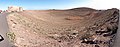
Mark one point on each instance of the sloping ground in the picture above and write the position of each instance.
(79, 27)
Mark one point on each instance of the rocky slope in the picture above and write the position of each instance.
(78, 27)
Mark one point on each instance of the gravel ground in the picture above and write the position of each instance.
(83, 27)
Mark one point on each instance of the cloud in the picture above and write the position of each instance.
(102, 4)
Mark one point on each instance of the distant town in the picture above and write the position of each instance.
(12, 9)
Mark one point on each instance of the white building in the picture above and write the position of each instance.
(14, 9)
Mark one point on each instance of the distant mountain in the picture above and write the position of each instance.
(83, 9)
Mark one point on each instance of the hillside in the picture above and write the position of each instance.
(78, 27)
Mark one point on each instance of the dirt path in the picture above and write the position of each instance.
(4, 30)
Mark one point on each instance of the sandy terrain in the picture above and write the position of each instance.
(80, 27)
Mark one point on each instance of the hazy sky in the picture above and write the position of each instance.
(60, 4)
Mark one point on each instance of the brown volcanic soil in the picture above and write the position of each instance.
(79, 27)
